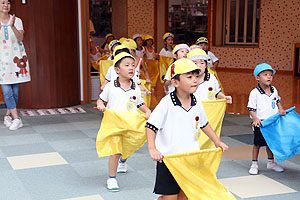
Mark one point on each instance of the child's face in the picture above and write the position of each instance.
(188, 82)
(149, 43)
(201, 64)
(113, 47)
(265, 77)
(203, 46)
(126, 68)
(169, 41)
(109, 39)
(139, 42)
(181, 53)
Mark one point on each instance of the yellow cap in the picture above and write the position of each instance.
(130, 43)
(108, 35)
(148, 37)
(113, 43)
(137, 36)
(120, 47)
(122, 39)
(166, 35)
(194, 47)
(180, 46)
(182, 66)
(122, 55)
(202, 40)
(197, 54)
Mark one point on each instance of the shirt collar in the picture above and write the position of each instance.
(117, 84)
(177, 102)
(262, 91)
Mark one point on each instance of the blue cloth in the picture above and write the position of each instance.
(11, 95)
(282, 134)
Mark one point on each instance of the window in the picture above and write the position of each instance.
(188, 19)
(241, 22)
(100, 14)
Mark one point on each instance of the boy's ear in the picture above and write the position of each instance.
(257, 78)
(175, 82)
(117, 69)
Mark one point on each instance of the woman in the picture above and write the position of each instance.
(14, 67)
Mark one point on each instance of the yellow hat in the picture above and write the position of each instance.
(194, 47)
(180, 46)
(113, 43)
(122, 55)
(108, 35)
(148, 37)
(130, 43)
(137, 36)
(182, 66)
(166, 35)
(197, 54)
(202, 40)
(122, 39)
(118, 48)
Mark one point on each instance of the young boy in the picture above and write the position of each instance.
(173, 124)
(263, 103)
(212, 61)
(122, 94)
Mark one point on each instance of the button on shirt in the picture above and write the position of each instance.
(120, 99)
(175, 126)
(263, 105)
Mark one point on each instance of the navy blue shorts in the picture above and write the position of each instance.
(259, 139)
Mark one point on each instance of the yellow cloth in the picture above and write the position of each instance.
(195, 173)
(164, 63)
(214, 72)
(120, 132)
(152, 67)
(215, 111)
(104, 66)
(146, 98)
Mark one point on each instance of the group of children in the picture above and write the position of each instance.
(171, 125)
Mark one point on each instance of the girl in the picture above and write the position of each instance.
(108, 38)
(167, 50)
(140, 50)
(209, 88)
(149, 49)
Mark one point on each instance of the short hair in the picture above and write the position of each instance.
(177, 76)
(119, 62)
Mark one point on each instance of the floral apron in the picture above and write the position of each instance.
(14, 66)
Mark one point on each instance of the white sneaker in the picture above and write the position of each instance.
(112, 185)
(7, 121)
(253, 169)
(275, 167)
(16, 124)
(122, 168)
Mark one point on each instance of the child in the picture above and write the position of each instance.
(140, 50)
(179, 51)
(172, 126)
(167, 50)
(95, 56)
(117, 94)
(149, 49)
(212, 61)
(108, 38)
(111, 48)
(209, 88)
(263, 103)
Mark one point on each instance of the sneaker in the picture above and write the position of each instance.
(112, 185)
(275, 167)
(253, 169)
(16, 124)
(122, 168)
(7, 121)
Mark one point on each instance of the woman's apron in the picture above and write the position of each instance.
(14, 67)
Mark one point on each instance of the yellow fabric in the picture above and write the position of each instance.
(146, 98)
(164, 63)
(215, 111)
(104, 66)
(195, 173)
(120, 132)
(214, 72)
(152, 67)
(96, 64)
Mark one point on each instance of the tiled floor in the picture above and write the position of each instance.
(54, 158)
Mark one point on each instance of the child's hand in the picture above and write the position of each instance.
(256, 122)
(228, 99)
(156, 155)
(222, 145)
(148, 80)
(282, 112)
(101, 107)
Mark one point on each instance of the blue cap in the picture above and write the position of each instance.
(262, 67)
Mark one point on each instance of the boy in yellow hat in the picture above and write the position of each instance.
(212, 61)
(116, 96)
(172, 126)
(167, 50)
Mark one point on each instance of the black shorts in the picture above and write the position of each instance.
(259, 139)
(165, 183)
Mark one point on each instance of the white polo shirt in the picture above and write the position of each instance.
(120, 99)
(262, 104)
(164, 52)
(176, 127)
(211, 58)
(171, 88)
(111, 74)
(208, 89)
